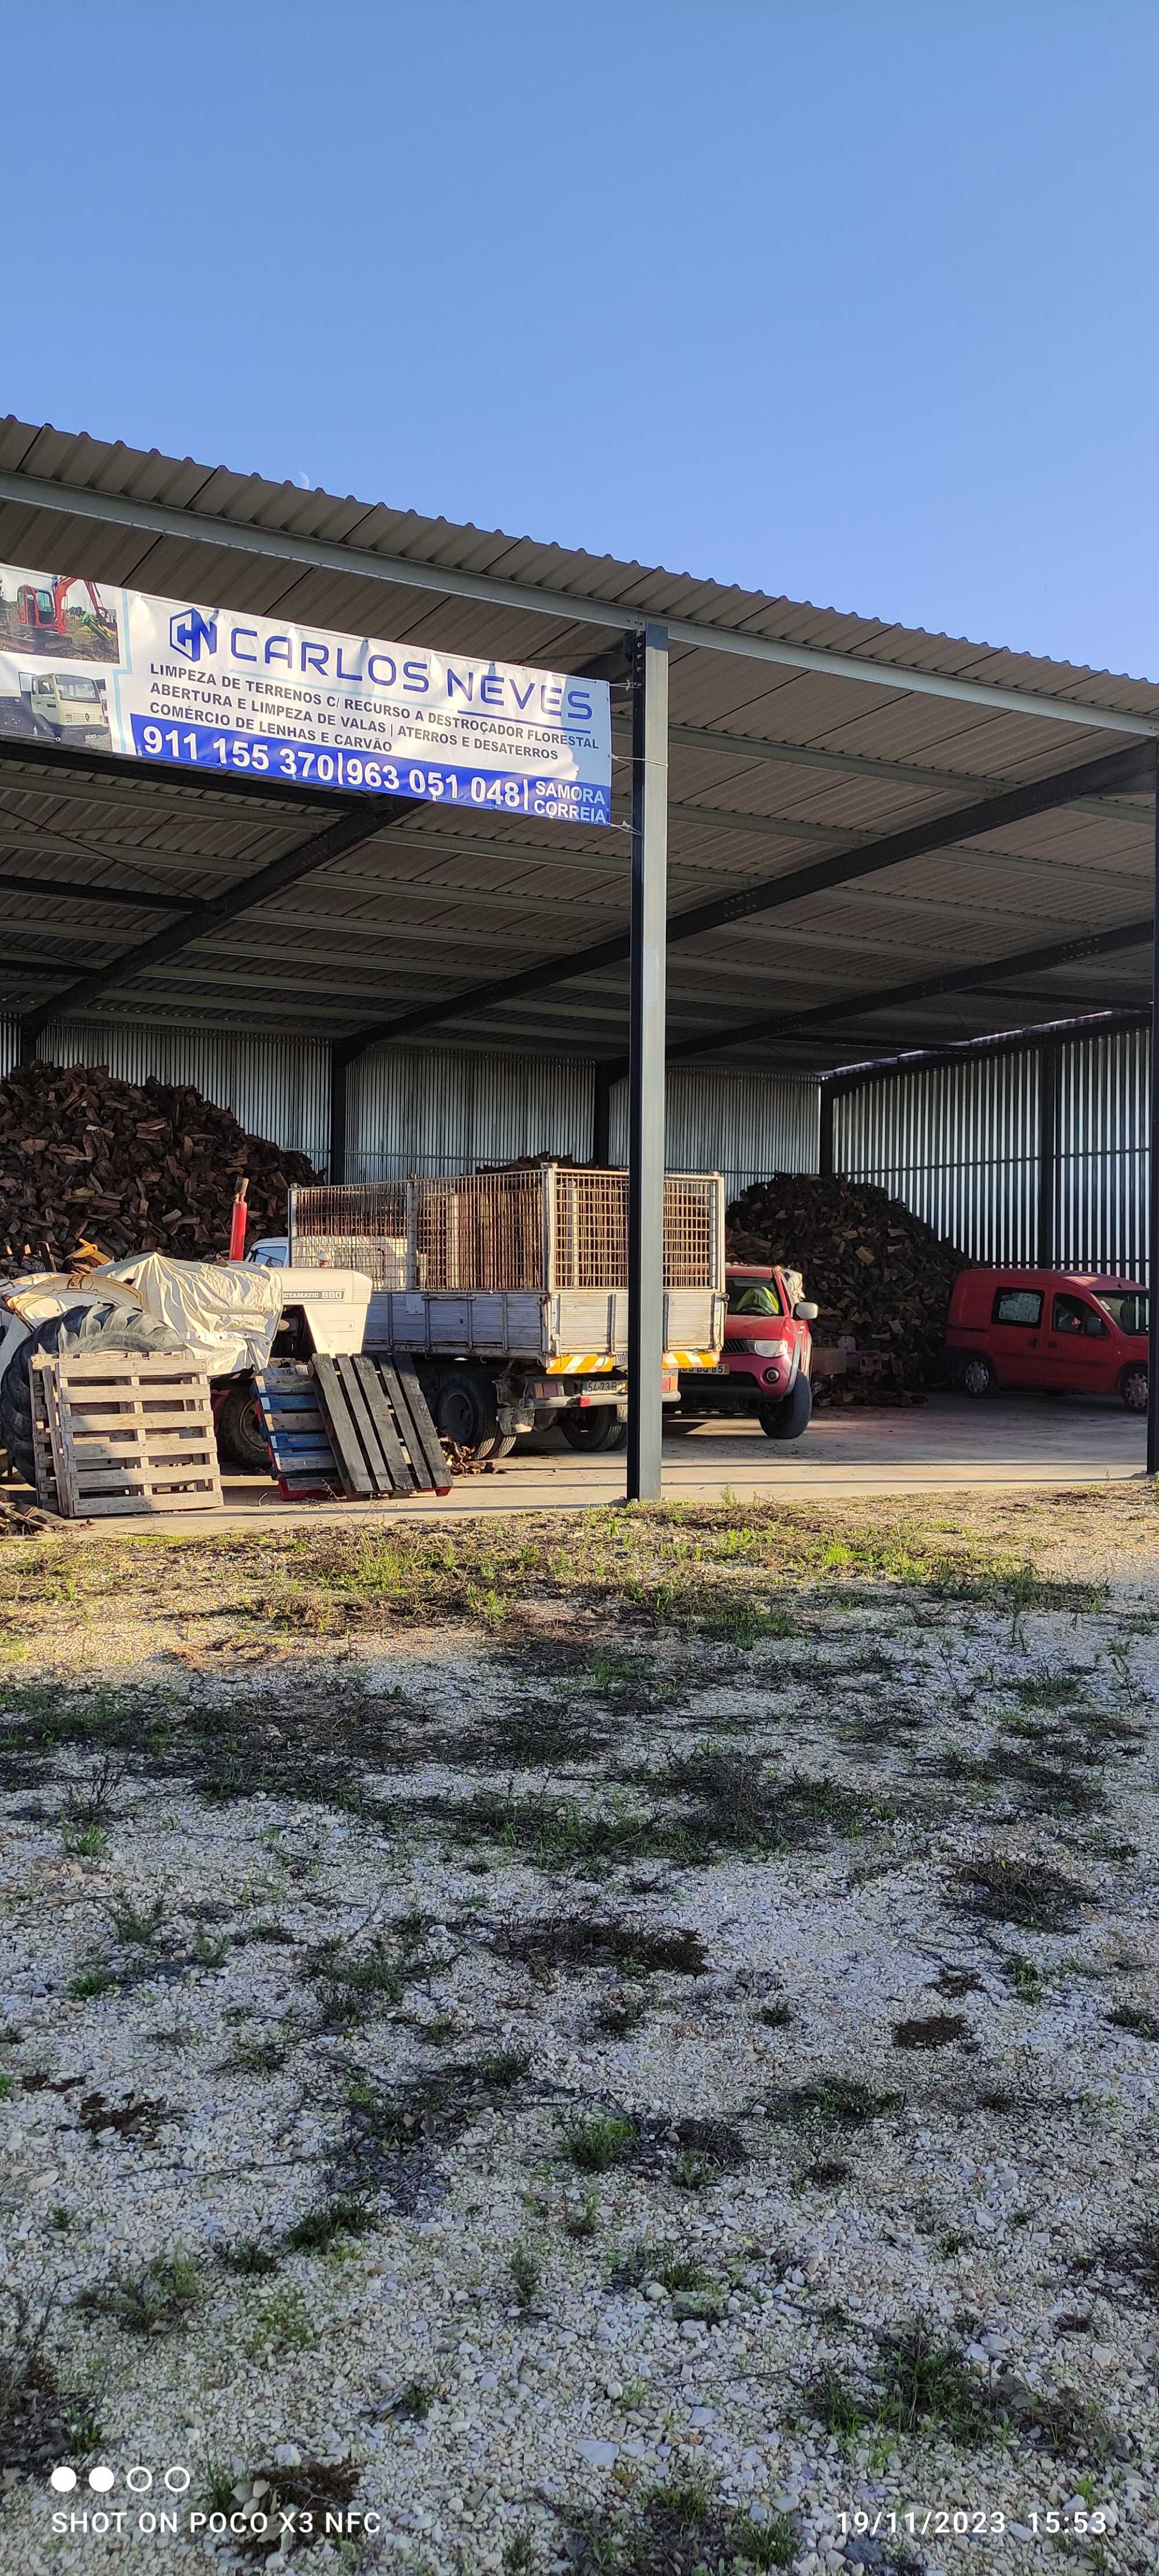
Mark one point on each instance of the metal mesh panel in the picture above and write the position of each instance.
(352, 1228)
(480, 1230)
(591, 1230)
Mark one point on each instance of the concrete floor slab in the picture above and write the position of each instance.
(945, 1443)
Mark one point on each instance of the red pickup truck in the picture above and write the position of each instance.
(764, 1366)
(1061, 1328)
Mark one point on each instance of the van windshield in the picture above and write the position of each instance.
(1127, 1307)
(77, 688)
(753, 1297)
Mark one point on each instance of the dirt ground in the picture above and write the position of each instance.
(618, 2043)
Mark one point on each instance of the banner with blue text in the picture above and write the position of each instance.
(216, 689)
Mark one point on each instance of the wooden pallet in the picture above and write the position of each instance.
(380, 1425)
(298, 1433)
(126, 1432)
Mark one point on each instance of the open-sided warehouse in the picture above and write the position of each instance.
(878, 842)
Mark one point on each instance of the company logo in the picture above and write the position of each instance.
(192, 634)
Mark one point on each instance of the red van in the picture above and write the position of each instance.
(764, 1366)
(1060, 1328)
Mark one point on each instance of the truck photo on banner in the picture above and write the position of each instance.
(216, 688)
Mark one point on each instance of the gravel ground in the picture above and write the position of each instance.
(636, 2076)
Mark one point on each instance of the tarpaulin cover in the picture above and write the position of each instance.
(230, 1314)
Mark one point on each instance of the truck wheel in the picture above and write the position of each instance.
(977, 1376)
(467, 1416)
(788, 1419)
(598, 1429)
(1133, 1388)
(240, 1435)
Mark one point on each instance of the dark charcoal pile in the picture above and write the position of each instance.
(145, 1167)
(876, 1271)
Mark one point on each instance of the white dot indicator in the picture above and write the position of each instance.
(102, 2479)
(63, 2480)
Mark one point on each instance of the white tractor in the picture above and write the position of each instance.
(233, 1317)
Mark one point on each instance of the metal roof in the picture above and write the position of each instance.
(800, 739)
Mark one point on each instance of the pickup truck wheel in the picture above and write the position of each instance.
(598, 1429)
(1133, 1388)
(788, 1419)
(240, 1435)
(467, 1416)
(977, 1376)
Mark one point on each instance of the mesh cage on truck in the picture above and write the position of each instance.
(543, 1228)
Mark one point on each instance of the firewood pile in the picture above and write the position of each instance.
(135, 1167)
(879, 1274)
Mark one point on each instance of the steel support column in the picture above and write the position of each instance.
(1153, 1190)
(646, 1062)
(1049, 1097)
(339, 1079)
(602, 1115)
(825, 1141)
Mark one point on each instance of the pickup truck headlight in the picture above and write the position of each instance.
(763, 1350)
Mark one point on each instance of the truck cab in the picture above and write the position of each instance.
(69, 704)
(765, 1362)
(1078, 1332)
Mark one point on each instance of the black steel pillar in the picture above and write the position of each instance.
(602, 1116)
(1153, 1188)
(825, 1142)
(339, 1076)
(646, 1061)
(1049, 1097)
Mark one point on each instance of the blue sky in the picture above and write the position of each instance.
(851, 299)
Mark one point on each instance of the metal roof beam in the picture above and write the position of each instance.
(942, 831)
(960, 979)
(923, 1059)
(353, 826)
(860, 764)
(160, 519)
(69, 892)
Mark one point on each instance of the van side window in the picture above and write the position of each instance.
(1073, 1315)
(1017, 1306)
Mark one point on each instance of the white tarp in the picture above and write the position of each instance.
(219, 689)
(230, 1315)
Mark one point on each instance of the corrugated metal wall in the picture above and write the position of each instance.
(434, 1110)
(277, 1087)
(958, 1143)
(1104, 1123)
(745, 1125)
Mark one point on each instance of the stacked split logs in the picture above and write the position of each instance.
(879, 1274)
(134, 1167)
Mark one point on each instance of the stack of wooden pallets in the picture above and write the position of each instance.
(123, 1431)
(358, 1426)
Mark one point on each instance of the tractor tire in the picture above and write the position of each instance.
(788, 1419)
(80, 1328)
(594, 1431)
(466, 1415)
(240, 1436)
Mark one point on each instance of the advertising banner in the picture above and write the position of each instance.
(217, 689)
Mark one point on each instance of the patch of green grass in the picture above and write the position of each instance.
(687, 2501)
(597, 2143)
(153, 2301)
(1135, 2018)
(527, 2275)
(96, 1979)
(136, 1925)
(1028, 1981)
(777, 2015)
(257, 2056)
(320, 2229)
(413, 2401)
(1030, 1893)
(250, 2258)
(833, 2101)
(764, 2544)
(85, 1842)
(280, 2325)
